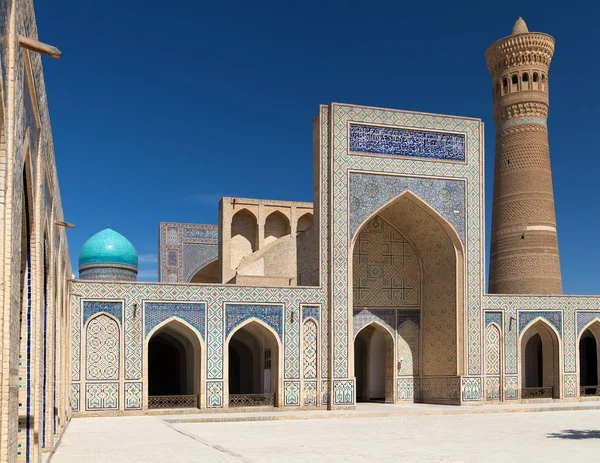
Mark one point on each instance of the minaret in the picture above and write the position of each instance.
(524, 246)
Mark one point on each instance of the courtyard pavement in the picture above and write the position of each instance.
(480, 434)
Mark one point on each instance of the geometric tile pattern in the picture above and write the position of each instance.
(93, 307)
(571, 385)
(102, 396)
(369, 192)
(512, 387)
(102, 349)
(214, 394)
(471, 388)
(492, 361)
(309, 343)
(310, 311)
(493, 317)
(157, 312)
(383, 317)
(75, 397)
(291, 344)
(310, 393)
(237, 313)
(343, 161)
(554, 318)
(385, 268)
(291, 391)
(408, 349)
(407, 389)
(583, 318)
(396, 141)
(133, 340)
(133, 396)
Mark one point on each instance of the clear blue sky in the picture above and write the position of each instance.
(160, 108)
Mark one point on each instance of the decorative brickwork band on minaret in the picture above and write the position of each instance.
(524, 246)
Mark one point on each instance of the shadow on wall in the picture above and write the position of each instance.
(575, 434)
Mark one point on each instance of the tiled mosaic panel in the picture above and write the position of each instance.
(238, 313)
(310, 393)
(214, 394)
(492, 350)
(511, 388)
(291, 393)
(369, 192)
(396, 141)
(91, 308)
(196, 256)
(570, 386)
(102, 396)
(309, 348)
(383, 317)
(471, 388)
(157, 312)
(554, 318)
(310, 311)
(408, 349)
(133, 396)
(325, 392)
(492, 388)
(102, 349)
(342, 162)
(75, 397)
(406, 389)
(584, 318)
(75, 339)
(493, 317)
(343, 392)
(385, 270)
(215, 340)
(291, 348)
(133, 339)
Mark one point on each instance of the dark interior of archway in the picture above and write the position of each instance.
(360, 366)
(588, 360)
(534, 362)
(166, 365)
(241, 368)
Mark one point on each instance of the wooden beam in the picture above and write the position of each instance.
(39, 47)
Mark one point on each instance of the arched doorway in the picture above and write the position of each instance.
(374, 364)
(407, 256)
(589, 381)
(540, 366)
(253, 366)
(174, 367)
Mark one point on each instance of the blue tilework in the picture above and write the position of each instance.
(209, 232)
(409, 315)
(91, 308)
(196, 256)
(310, 311)
(157, 312)
(238, 313)
(369, 192)
(364, 317)
(493, 317)
(396, 141)
(108, 273)
(523, 120)
(108, 247)
(583, 318)
(554, 318)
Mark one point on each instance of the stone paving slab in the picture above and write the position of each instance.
(564, 435)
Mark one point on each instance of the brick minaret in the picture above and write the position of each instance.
(524, 247)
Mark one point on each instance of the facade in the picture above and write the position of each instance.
(375, 291)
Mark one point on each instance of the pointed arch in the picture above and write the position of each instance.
(304, 222)
(310, 348)
(207, 272)
(588, 358)
(244, 237)
(174, 365)
(493, 361)
(253, 365)
(408, 349)
(443, 275)
(540, 360)
(277, 225)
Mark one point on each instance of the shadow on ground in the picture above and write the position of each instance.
(575, 434)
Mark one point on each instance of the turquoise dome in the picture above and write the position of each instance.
(108, 247)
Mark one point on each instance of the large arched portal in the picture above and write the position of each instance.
(174, 355)
(253, 366)
(408, 265)
(374, 364)
(540, 366)
(589, 381)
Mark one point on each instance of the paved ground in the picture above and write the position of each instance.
(478, 437)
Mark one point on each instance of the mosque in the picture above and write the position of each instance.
(373, 292)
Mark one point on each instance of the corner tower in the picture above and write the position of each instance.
(524, 247)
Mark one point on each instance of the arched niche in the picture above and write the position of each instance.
(589, 359)
(305, 222)
(253, 365)
(174, 366)
(442, 303)
(243, 236)
(277, 226)
(539, 352)
(210, 273)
